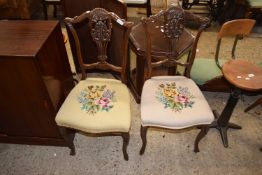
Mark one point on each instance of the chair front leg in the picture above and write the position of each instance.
(201, 135)
(143, 133)
(125, 137)
(68, 135)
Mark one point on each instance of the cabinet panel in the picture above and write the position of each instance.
(24, 109)
(35, 76)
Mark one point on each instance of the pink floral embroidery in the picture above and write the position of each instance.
(174, 97)
(96, 98)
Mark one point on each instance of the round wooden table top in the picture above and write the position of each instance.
(243, 74)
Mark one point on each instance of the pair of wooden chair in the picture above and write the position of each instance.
(101, 107)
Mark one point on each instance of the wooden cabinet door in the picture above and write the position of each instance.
(24, 103)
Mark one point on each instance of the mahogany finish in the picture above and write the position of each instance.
(101, 25)
(74, 8)
(35, 77)
(162, 39)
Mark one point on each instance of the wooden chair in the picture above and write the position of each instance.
(255, 7)
(50, 2)
(140, 4)
(171, 102)
(185, 45)
(98, 106)
(210, 4)
(207, 72)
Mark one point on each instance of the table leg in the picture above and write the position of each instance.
(222, 122)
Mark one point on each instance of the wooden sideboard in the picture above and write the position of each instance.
(35, 77)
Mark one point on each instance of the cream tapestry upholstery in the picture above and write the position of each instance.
(173, 102)
(96, 105)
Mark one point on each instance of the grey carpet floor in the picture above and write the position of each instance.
(166, 153)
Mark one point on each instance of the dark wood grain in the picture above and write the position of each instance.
(162, 40)
(35, 73)
(74, 8)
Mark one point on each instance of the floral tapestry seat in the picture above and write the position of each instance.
(97, 105)
(173, 102)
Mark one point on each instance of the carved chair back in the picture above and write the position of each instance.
(236, 28)
(100, 24)
(174, 21)
(72, 8)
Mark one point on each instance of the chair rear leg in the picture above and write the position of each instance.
(143, 133)
(45, 11)
(55, 11)
(148, 8)
(68, 135)
(201, 135)
(125, 137)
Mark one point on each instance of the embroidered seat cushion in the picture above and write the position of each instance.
(96, 105)
(204, 70)
(173, 102)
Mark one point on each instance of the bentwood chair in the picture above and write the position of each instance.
(214, 80)
(171, 102)
(50, 2)
(98, 106)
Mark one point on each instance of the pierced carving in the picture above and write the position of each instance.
(174, 22)
(100, 26)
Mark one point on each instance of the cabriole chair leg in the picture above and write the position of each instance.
(68, 135)
(201, 135)
(125, 137)
(143, 132)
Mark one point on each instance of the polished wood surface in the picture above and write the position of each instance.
(162, 39)
(72, 8)
(160, 43)
(35, 76)
(236, 27)
(243, 74)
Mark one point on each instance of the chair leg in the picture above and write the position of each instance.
(68, 135)
(256, 103)
(125, 137)
(148, 8)
(55, 11)
(201, 135)
(143, 133)
(45, 11)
